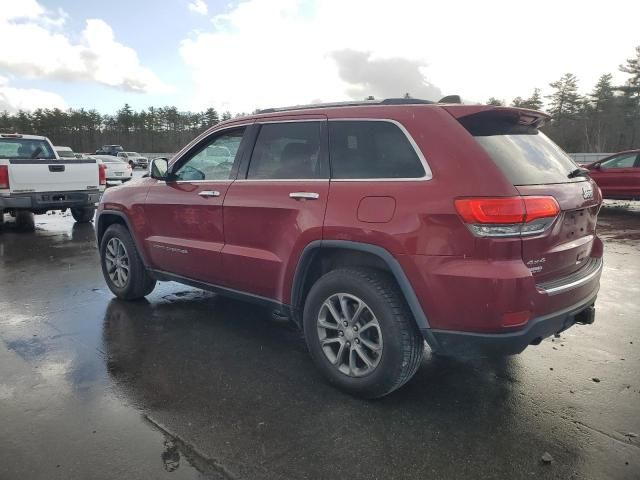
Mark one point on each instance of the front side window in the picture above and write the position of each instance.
(213, 160)
(288, 150)
(23, 149)
(623, 161)
(371, 149)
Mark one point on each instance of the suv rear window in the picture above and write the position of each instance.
(23, 148)
(525, 155)
(371, 149)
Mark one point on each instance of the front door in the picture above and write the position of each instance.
(184, 215)
(276, 207)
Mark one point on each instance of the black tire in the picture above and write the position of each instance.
(83, 214)
(139, 283)
(133, 165)
(403, 345)
(25, 221)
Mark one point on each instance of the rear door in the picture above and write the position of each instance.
(184, 215)
(276, 206)
(538, 167)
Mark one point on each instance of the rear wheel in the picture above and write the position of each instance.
(83, 214)
(360, 332)
(25, 221)
(122, 267)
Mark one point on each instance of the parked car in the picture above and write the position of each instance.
(374, 227)
(117, 169)
(134, 159)
(109, 150)
(33, 178)
(618, 175)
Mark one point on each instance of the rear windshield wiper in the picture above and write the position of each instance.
(578, 172)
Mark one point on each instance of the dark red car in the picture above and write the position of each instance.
(618, 175)
(375, 227)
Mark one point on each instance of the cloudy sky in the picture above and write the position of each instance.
(242, 55)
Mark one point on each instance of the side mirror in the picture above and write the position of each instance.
(597, 166)
(159, 168)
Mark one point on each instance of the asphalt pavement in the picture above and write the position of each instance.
(191, 385)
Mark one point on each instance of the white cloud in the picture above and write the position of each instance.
(39, 49)
(279, 52)
(14, 99)
(198, 6)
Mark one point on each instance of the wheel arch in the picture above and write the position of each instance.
(315, 254)
(106, 218)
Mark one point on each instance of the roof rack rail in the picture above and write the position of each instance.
(353, 103)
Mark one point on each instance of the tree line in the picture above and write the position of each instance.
(163, 129)
(605, 120)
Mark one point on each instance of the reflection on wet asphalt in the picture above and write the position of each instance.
(191, 385)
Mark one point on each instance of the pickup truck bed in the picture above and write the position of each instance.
(34, 178)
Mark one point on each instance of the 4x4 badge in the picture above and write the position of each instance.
(587, 192)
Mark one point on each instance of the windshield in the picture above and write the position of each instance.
(23, 148)
(133, 154)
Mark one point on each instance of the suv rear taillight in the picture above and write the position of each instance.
(508, 216)
(102, 174)
(4, 176)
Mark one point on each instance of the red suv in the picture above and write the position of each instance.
(374, 226)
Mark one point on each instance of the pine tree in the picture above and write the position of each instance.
(210, 117)
(633, 68)
(565, 101)
(602, 94)
(534, 102)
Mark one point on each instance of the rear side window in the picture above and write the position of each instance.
(525, 155)
(371, 149)
(22, 148)
(288, 150)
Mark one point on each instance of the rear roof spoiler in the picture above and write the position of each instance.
(524, 116)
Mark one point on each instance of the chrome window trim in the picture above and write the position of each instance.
(428, 174)
(245, 180)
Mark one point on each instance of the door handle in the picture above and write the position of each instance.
(304, 195)
(209, 193)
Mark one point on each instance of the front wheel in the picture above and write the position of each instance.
(122, 267)
(360, 333)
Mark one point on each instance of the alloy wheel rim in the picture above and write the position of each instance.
(116, 260)
(350, 335)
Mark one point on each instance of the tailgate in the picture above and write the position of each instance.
(27, 175)
(558, 245)
(567, 245)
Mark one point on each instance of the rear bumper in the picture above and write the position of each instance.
(456, 343)
(49, 200)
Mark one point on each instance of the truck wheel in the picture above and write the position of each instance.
(133, 165)
(83, 214)
(25, 221)
(122, 267)
(360, 332)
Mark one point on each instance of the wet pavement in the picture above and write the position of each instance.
(191, 385)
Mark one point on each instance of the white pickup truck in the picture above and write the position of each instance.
(33, 178)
